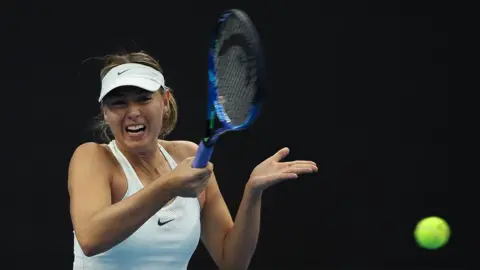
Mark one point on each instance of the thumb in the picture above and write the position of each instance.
(281, 154)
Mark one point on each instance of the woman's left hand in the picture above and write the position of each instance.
(273, 171)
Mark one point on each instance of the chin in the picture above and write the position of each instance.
(138, 141)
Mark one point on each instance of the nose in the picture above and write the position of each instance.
(133, 111)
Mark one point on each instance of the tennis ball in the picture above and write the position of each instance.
(432, 233)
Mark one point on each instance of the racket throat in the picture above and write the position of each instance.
(208, 142)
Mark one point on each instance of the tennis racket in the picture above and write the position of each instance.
(236, 80)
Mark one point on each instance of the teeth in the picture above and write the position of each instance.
(135, 127)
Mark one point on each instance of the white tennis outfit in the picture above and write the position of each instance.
(152, 246)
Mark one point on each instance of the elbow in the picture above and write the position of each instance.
(89, 251)
(234, 265)
(89, 246)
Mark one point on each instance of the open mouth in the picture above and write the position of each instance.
(135, 129)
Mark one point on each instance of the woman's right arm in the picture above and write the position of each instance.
(98, 224)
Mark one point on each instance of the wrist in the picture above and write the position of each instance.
(252, 191)
(166, 186)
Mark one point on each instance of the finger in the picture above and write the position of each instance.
(290, 163)
(204, 174)
(189, 159)
(277, 178)
(301, 165)
(207, 169)
(203, 183)
(210, 167)
(207, 175)
(281, 154)
(301, 169)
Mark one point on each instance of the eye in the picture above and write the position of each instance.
(144, 98)
(118, 102)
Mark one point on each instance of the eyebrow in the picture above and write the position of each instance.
(133, 92)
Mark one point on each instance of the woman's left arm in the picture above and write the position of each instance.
(232, 245)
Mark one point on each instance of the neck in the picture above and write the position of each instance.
(142, 157)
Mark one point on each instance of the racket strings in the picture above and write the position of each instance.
(236, 72)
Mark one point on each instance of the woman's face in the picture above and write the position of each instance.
(135, 116)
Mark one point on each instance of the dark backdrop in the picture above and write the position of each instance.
(360, 87)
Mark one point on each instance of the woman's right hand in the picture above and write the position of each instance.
(187, 181)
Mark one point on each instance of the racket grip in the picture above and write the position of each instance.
(203, 156)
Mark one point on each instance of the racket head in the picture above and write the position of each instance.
(236, 73)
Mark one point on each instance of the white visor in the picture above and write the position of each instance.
(132, 74)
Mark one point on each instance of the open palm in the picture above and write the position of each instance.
(272, 170)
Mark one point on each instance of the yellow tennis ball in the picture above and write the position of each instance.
(432, 233)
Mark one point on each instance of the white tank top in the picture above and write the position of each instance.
(154, 245)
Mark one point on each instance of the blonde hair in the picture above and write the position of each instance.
(111, 61)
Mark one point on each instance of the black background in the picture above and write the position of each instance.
(360, 87)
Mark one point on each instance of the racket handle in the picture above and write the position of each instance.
(203, 156)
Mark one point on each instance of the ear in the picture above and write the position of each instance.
(104, 113)
(166, 97)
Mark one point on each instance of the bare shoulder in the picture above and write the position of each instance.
(91, 150)
(91, 156)
(180, 149)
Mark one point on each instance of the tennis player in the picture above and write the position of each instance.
(137, 203)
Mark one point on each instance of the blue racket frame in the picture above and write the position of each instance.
(215, 108)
